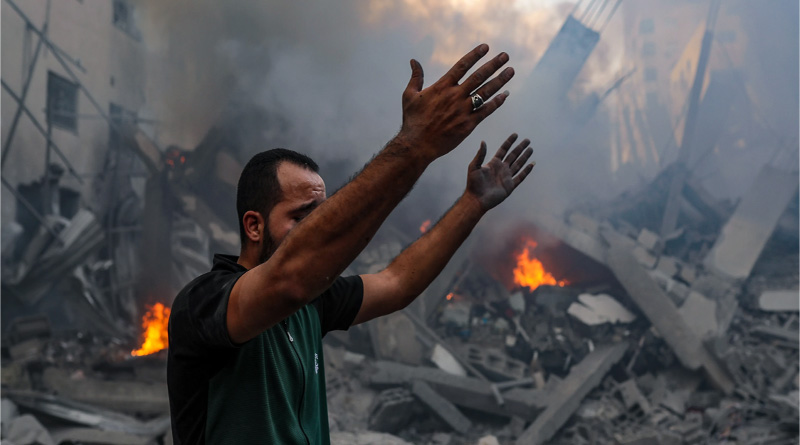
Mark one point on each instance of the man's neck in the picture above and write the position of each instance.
(248, 259)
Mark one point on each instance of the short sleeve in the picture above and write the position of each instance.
(201, 316)
(338, 306)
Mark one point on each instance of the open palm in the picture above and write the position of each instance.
(492, 183)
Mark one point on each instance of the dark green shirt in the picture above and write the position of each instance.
(269, 390)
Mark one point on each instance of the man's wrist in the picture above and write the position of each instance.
(472, 204)
(414, 147)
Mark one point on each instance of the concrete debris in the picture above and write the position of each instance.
(365, 438)
(699, 343)
(598, 309)
(441, 407)
(660, 310)
(392, 410)
(495, 364)
(26, 430)
(649, 240)
(566, 397)
(746, 233)
(91, 436)
(446, 362)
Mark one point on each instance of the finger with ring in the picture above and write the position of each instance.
(477, 101)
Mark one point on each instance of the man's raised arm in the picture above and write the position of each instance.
(415, 268)
(435, 120)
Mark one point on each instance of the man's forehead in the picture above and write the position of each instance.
(292, 176)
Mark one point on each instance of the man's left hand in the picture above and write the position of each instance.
(492, 183)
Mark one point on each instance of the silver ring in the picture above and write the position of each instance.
(477, 101)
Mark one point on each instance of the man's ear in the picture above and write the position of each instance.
(254, 226)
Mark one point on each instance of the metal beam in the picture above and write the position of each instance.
(12, 129)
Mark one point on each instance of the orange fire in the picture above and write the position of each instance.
(425, 226)
(155, 334)
(530, 271)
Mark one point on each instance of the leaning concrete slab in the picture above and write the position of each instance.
(441, 407)
(467, 392)
(565, 399)
(663, 313)
(746, 233)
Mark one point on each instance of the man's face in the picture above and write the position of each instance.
(303, 190)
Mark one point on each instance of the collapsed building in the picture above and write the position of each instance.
(664, 315)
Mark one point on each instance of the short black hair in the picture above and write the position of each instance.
(258, 188)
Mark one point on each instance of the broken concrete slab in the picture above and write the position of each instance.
(663, 313)
(700, 315)
(780, 300)
(91, 436)
(124, 396)
(579, 240)
(566, 397)
(441, 407)
(746, 233)
(467, 392)
(599, 309)
(84, 414)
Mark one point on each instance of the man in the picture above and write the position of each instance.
(245, 357)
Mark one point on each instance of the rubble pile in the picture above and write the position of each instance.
(647, 342)
(670, 348)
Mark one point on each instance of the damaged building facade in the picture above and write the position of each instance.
(666, 314)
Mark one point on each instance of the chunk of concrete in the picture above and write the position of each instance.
(746, 233)
(394, 336)
(700, 315)
(26, 430)
(663, 313)
(565, 398)
(779, 300)
(445, 361)
(599, 309)
(644, 257)
(495, 364)
(667, 265)
(648, 240)
(441, 407)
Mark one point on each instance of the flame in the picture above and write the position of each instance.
(530, 271)
(155, 334)
(425, 226)
(449, 296)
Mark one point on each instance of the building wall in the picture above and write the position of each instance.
(113, 61)
(662, 42)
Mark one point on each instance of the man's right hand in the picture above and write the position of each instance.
(438, 118)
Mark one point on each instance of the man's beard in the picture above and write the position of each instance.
(267, 249)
